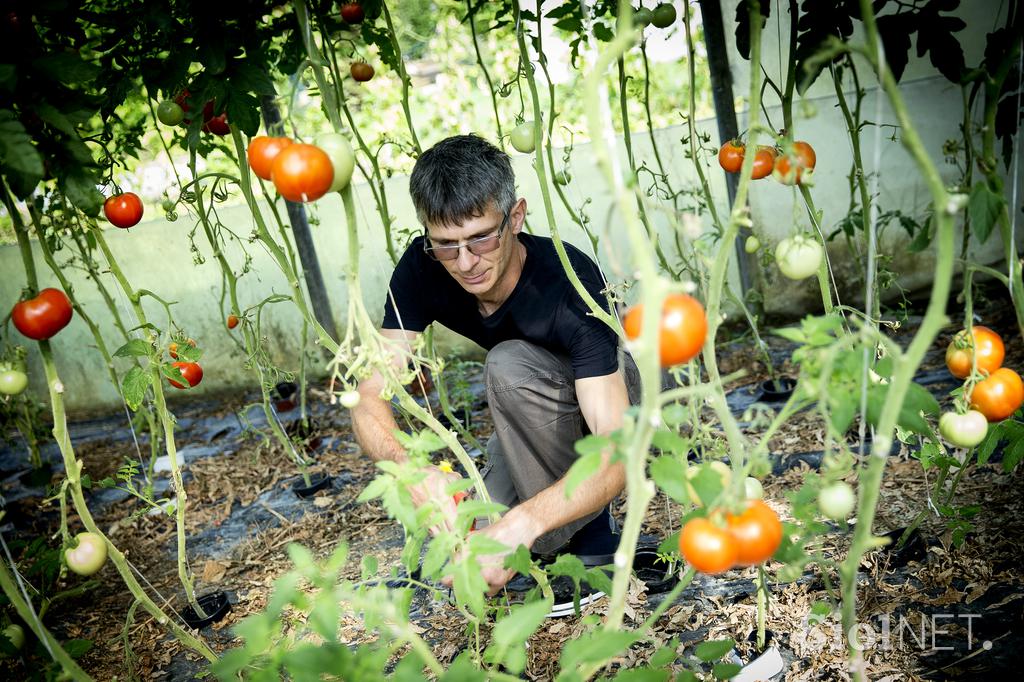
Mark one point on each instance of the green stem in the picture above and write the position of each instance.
(403, 75)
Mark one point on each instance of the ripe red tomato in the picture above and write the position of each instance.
(232, 321)
(998, 396)
(730, 156)
(764, 162)
(302, 172)
(262, 152)
(682, 331)
(181, 99)
(88, 555)
(352, 13)
(123, 210)
(218, 125)
(706, 547)
(361, 71)
(789, 168)
(192, 372)
(41, 317)
(988, 347)
(758, 533)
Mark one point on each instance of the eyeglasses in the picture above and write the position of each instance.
(477, 247)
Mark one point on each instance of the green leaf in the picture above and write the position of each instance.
(596, 646)
(512, 631)
(582, 469)
(134, 385)
(984, 207)
(250, 78)
(325, 616)
(723, 671)
(376, 488)
(80, 186)
(916, 401)
(482, 544)
(591, 444)
(368, 566)
(76, 648)
(66, 67)
(642, 675)
(469, 585)
(670, 441)
(713, 650)
(23, 164)
(243, 111)
(8, 77)
(669, 474)
(135, 347)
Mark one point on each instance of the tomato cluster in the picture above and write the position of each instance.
(303, 172)
(745, 539)
(681, 332)
(786, 168)
(996, 396)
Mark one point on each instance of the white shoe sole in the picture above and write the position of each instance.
(568, 609)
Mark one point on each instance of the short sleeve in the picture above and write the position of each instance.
(404, 305)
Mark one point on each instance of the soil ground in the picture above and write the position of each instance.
(935, 611)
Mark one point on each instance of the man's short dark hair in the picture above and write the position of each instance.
(460, 178)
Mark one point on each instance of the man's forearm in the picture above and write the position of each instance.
(374, 424)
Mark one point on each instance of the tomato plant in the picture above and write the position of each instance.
(15, 634)
(170, 113)
(343, 158)
(837, 500)
(361, 71)
(707, 547)
(522, 138)
(232, 321)
(262, 151)
(12, 381)
(791, 168)
(730, 156)
(123, 210)
(681, 332)
(999, 395)
(798, 257)
(302, 172)
(42, 317)
(352, 13)
(988, 348)
(191, 371)
(963, 430)
(757, 531)
(172, 348)
(88, 554)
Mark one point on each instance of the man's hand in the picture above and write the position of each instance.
(513, 529)
(434, 487)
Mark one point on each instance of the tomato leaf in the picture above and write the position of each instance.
(66, 67)
(916, 401)
(134, 348)
(582, 469)
(80, 187)
(895, 31)
(77, 648)
(596, 646)
(724, 671)
(23, 165)
(469, 585)
(134, 385)
(670, 474)
(743, 25)
(713, 650)
(512, 631)
(983, 208)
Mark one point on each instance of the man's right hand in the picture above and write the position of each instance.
(434, 487)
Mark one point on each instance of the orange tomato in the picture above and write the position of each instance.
(789, 168)
(302, 172)
(988, 348)
(262, 152)
(758, 533)
(730, 156)
(764, 163)
(682, 331)
(999, 395)
(232, 321)
(706, 547)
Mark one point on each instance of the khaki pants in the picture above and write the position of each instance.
(537, 420)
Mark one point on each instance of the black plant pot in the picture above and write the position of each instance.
(768, 637)
(914, 549)
(777, 390)
(285, 389)
(216, 606)
(317, 482)
(306, 433)
(652, 572)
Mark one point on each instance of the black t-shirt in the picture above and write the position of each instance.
(544, 308)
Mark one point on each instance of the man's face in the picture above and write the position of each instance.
(488, 273)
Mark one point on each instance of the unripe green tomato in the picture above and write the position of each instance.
(13, 381)
(664, 15)
(15, 634)
(88, 556)
(562, 177)
(837, 500)
(349, 399)
(752, 488)
(343, 158)
(643, 17)
(798, 257)
(170, 113)
(964, 430)
(752, 244)
(522, 137)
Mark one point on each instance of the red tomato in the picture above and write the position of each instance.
(352, 13)
(181, 99)
(706, 547)
(123, 210)
(682, 331)
(262, 152)
(302, 172)
(218, 125)
(758, 533)
(988, 347)
(192, 372)
(361, 71)
(764, 163)
(232, 321)
(789, 168)
(41, 317)
(998, 396)
(730, 156)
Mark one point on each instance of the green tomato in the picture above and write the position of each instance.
(836, 500)
(15, 634)
(13, 381)
(88, 555)
(752, 244)
(963, 430)
(753, 489)
(798, 257)
(522, 138)
(720, 468)
(664, 15)
(170, 113)
(342, 157)
(643, 17)
(349, 399)
(562, 177)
